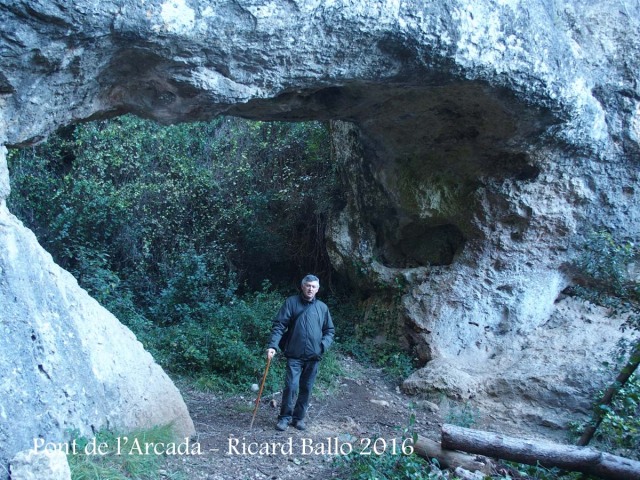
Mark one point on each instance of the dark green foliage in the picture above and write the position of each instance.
(370, 331)
(603, 277)
(250, 198)
(511, 470)
(388, 459)
(172, 228)
(388, 467)
(620, 427)
(229, 348)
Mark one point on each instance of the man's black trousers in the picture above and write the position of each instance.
(301, 375)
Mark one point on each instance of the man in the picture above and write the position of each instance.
(303, 330)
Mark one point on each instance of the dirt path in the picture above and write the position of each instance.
(365, 407)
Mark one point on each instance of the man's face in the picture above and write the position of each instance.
(309, 290)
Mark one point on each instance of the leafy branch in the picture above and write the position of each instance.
(602, 277)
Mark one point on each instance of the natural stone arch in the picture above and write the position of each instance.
(490, 122)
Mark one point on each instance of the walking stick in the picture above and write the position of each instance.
(264, 377)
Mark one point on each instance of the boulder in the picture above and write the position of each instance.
(40, 465)
(69, 367)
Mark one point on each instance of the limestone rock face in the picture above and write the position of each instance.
(40, 465)
(67, 364)
(478, 141)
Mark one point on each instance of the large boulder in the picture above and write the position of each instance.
(477, 139)
(69, 367)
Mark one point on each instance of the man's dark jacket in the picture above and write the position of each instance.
(307, 325)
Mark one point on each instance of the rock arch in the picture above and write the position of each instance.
(477, 139)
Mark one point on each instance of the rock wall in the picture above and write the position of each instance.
(484, 259)
(478, 141)
(68, 366)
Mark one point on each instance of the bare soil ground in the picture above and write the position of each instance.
(365, 407)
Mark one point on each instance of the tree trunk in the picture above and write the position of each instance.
(533, 452)
(429, 449)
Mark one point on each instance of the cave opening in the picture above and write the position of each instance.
(419, 245)
(476, 139)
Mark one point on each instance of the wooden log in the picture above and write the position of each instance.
(430, 449)
(524, 451)
(534, 452)
(616, 468)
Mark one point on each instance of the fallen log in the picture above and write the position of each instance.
(534, 452)
(496, 445)
(430, 449)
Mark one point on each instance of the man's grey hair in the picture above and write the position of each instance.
(310, 278)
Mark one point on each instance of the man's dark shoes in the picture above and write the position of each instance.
(282, 425)
(300, 425)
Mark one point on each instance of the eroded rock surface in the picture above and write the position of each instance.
(479, 140)
(42, 465)
(68, 366)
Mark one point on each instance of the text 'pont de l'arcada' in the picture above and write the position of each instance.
(120, 446)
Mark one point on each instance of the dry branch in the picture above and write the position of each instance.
(622, 378)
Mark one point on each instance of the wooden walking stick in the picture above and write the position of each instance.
(264, 377)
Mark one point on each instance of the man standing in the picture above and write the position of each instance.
(303, 330)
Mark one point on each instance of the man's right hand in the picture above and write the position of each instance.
(270, 352)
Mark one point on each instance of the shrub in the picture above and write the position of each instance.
(369, 331)
(171, 228)
(393, 460)
(602, 277)
(117, 460)
(620, 427)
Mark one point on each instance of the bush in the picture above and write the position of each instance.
(602, 277)
(388, 466)
(171, 228)
(224, 348)
(620, 427)
(117, 459)
(391, 460)
(370, 332)
(133, 198)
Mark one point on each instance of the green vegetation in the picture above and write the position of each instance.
(388, 466)
(604, 279)
(369, 331)
(388, 459)
(244, 200)
(463, 415)
(176, 229)
(138, 455)
(619, 430)
(511, 470)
